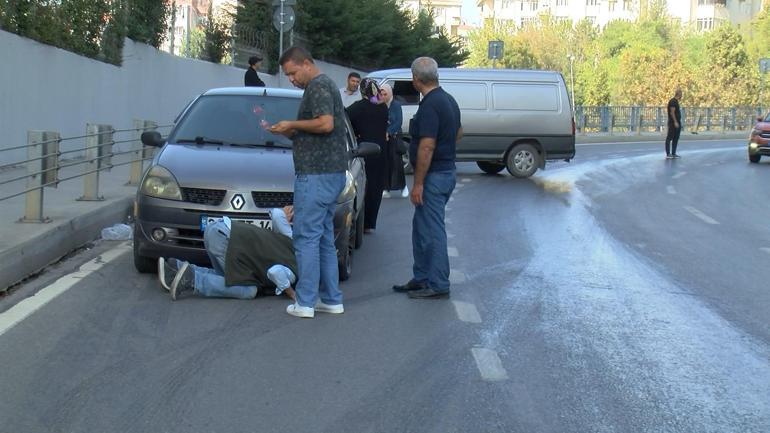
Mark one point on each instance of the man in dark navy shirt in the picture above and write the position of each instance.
(674, 124)
(435, 130)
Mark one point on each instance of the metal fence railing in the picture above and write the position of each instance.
(45, 159)
(610, 119)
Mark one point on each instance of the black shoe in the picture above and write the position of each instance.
(184, 281)
(410, 286)
(167, 270)
(428, 293)
(675, 156)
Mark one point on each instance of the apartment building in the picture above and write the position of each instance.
(446, 12)
(704, 14)
(186, 16)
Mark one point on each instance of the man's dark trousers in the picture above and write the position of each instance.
(429, 241)
(672, 139)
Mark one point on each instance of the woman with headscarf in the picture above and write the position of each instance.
(369, 118)
(395, 149)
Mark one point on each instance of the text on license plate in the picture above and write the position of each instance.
(259, 222)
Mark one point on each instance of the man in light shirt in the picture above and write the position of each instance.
(351, 93)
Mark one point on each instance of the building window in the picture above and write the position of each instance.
(507, 4)
(627, 5)
(591, 19)
(526, 21)
(561, 2)
(529, 5)
(705, 24)
(592, 2)
(611, 5)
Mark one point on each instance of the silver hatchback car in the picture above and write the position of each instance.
(220, 159)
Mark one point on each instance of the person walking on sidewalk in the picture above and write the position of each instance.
(245, 259)
(251, 78)
(435, 128)
(320, 163)
(674, 124)
(369, 119)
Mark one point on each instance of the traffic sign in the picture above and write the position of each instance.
(495, 50)
(288, 18)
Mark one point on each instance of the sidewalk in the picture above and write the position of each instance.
(27, 248)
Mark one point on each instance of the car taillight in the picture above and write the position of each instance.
(573, 126)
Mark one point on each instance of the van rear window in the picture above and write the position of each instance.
(404, 92)
(529, 97)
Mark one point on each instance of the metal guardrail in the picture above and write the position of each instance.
(654, 119)
(44, 161)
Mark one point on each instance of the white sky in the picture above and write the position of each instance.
(470, 12)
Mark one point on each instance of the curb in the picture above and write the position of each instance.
(628, 138)
(29, 257)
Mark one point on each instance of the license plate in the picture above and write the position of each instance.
(259, 222)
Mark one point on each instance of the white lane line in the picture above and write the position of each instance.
(459, 185)
(489, 364)
(467, 312)
(456, 277)
(25, 308)
(451, 199)
(447, 220)
(450, 235)
(670, 189)
(448, 208)
(678, 175)
(466, 180)
(452, 251)
(700, 215)
(765, 249)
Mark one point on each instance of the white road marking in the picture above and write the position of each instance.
(466, 180)
(700, 215)
(765, 249)
(489, 364)
(678, 175)
(456, 277)
(25, 308)
(447, 220)
(450, 235)
(452, 252)
(448, 208)
(459, 185)
(467, 312)
(451, 199)
(670, 189)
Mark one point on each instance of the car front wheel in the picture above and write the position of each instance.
(754, 158)
(145, 265)
(345, 261)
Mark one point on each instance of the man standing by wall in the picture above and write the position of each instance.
(435, 130)
(351, 93)
(674, 124)
(251, 78)
(320, 162)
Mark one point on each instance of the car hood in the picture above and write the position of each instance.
(230, 168)
(762, 126)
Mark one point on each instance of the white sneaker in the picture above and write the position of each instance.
(405, 192)
(331, 309)
(297, 310)
(386, 194)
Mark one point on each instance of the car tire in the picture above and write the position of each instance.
(346, 261)
(755, 158)
(490, 167)
(145, 265)
(359, 228)
(522, 161)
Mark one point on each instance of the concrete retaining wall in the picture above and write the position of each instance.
(43, 87)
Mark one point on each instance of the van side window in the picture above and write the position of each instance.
(469, 96)
(527, 97)
(404, 92)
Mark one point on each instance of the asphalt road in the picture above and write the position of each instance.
(618, 293)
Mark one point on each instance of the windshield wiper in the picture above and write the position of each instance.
(200, 140)
(266, 144)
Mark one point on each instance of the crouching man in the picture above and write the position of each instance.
(246, 259)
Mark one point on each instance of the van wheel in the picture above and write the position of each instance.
(490, 167)
(522, 161)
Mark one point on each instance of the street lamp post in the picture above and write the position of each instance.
(572, 81)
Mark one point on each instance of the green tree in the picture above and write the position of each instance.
(146, 20)
(216, 38)
(731, 78)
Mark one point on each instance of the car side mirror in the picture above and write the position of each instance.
(152, 139)
(365, 148)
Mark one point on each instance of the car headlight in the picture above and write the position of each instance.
(350, 189)
(753, 146)
(160, 183)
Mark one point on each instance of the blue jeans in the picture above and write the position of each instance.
(429, 244)
(315, 201)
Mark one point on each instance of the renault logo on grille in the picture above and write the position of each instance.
(237, 202)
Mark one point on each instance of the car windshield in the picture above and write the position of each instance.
(239, 120)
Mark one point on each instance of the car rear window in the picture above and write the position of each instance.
(236, 119)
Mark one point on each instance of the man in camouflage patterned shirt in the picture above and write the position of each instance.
(320, 162)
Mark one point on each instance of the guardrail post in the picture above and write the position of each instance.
(42, 167)
(612, 123)
(137, 166)
(97, 137)
(639, 125)
(708, 119)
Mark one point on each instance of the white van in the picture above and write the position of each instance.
(511, 119)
